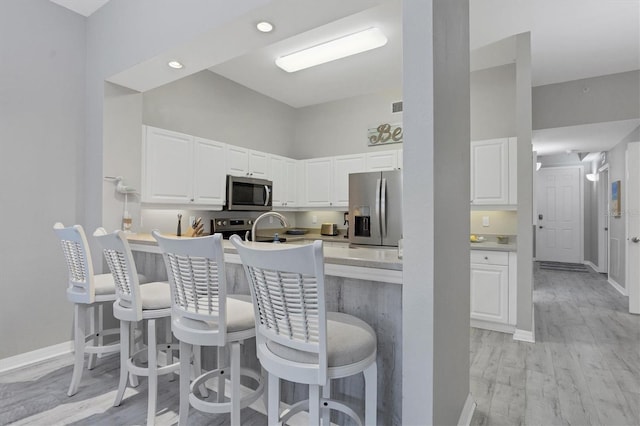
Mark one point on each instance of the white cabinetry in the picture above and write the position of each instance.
(493, 290)
(342, 166)
(381, 160)
(247, 162)
(326, 180)
(317, 182)
(284, 177)
(181, 169)
(494, 172)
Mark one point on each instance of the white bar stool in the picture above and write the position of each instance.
(204, 315)
(297, 340)
(87, 292)
(135, 303)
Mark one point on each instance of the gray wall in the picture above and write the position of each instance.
(436, 208)
(617, 229)
(41, 127)
(340, 127)
(493, 102)
(122, 116)
(525, 184)
(591, 100)
(210, 106)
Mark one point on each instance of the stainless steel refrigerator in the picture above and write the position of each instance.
(375, 208)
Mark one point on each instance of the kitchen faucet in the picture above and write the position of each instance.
(280, 217)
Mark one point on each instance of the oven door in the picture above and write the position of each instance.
(244, 193)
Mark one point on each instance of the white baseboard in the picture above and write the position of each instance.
(526, 335)
(38, 355)
(591, 265)
(614, 284)
(493, 326)
(467, 411)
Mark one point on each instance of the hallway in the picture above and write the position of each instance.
(584, 368)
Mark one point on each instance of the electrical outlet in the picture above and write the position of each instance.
(485, 221)
(314, 219)
(191, 220)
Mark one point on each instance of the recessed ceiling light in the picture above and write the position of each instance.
(175, 65)
(264, 27)
(335, 49)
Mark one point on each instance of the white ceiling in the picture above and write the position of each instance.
(83, 7)
(570, 39)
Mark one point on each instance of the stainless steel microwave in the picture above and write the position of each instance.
(247, 193)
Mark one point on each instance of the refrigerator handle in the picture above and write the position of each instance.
(383, 207)
(378, 182)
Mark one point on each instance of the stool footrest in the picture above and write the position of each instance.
(138, 370)
(324, 403)
(224, 407)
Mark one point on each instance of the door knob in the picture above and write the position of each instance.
(540, 226)
(635, 239)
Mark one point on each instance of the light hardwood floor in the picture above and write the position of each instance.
(583, 369)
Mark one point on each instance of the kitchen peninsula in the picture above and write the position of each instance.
(365, 282)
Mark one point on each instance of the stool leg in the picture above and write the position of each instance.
(168, 336)
(314, 405)
(197, 369)
(371, 394)
(100, 327)
(222, 359)
(152, 369)
(326, 395)
(124, 358)
(133, 347)
(93, 315)
(235, 383)
(79, 333)
(273, 411)
(185, 360)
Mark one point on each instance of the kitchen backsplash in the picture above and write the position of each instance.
(501, 222)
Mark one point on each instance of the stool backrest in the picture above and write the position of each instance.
(287, 288)
(196, 272)
(123, 268)
(81, 287)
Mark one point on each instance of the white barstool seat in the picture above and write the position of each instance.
(297, 340)
(87, 292)
(138, 303)
(204, 315)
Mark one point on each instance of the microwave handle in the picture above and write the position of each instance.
(268, 192)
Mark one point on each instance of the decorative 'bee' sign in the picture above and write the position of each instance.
(385, 134)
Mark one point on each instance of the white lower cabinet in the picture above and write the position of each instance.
(493, 290)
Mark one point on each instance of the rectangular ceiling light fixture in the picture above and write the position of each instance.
(342, 47)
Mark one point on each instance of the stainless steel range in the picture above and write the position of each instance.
(239, 226)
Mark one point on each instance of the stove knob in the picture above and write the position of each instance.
(219, 223)
(224, 223)
(250, 222)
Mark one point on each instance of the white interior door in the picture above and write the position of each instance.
(603, 220)
(559, 231)
(632, 278)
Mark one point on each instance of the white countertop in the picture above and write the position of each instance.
(376, 264)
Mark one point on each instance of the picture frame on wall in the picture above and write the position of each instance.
(615, 199)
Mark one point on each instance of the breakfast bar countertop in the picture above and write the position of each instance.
(365, 260)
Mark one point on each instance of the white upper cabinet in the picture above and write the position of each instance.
(180, 169)
(209, 181)
(381, 160)
(342, 166)
(167, 173)
(247, 162)
(284, 177)
(317, 182)
(494, 172)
